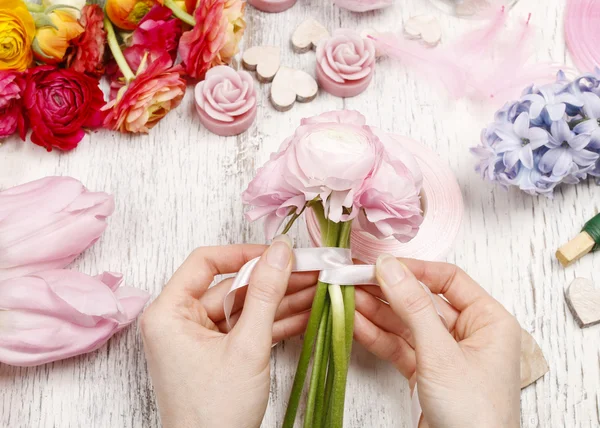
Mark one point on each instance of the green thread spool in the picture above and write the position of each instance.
(588, 240)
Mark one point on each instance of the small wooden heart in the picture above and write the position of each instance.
(583, 300)
(533, 363)
(291, 85)
(307, 35)
(264, 59)
(370, 32)
(424, 27)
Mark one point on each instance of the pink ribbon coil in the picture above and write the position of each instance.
(442, 206)
(582, 33)
(336, 267)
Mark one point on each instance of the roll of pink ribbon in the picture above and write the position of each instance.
(442, 204)
(582, 33)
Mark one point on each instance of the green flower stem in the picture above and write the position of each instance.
(180, 13)
(116, 51)
(348, 293)
(316, 369)
(340, 357)
(32, 7)
(321, 404)
(326, 417)
(331, 237)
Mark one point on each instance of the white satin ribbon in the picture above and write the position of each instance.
(336, 267)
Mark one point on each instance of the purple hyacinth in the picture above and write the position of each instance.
(548, 137)
(566, 149)
(518, 141)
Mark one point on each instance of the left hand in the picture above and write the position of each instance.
(203, 374)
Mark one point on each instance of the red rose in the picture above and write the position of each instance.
(86, 54)
(60, 104)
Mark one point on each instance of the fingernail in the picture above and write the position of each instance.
(389, 270)
(280, 252)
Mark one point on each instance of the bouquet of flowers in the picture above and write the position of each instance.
(551, 135)
(55, 54)
(343, 170)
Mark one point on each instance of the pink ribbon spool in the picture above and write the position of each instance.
(272, 6)
(443, 209)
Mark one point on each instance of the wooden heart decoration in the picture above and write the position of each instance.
(291, 85)
(583, 300)
(424, 27)
(533, 363)
(307, 35)
(264, 59)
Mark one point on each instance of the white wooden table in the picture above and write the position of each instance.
(179, 188)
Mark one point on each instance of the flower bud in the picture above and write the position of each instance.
(126, 14)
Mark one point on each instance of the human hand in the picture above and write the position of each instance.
(468, 374)
(203, 374)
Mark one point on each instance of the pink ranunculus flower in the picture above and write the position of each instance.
(47, 223)
(363, 5)
(57, 314)
(329, 157)
(148, 98)
(12, 118)
(346, 56)
(390, 204)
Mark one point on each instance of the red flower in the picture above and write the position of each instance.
(148, 98)
(215, 37)
(12, 85)
(158, 32)
(60, 103)
(86, 54)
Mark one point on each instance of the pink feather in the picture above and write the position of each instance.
(486, 63)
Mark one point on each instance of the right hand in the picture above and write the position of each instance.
(469, 374)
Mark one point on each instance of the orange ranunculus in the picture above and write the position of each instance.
(17, 30)
(215, 38)
(50, 45)
(127, 14)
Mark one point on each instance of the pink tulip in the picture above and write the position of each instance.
(58, 314)
(47, 223)
(363, 5)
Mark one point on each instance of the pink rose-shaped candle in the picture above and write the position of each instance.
(58, 314)
(226, 101)
(345, 63)
(363, 5)
(47, 223)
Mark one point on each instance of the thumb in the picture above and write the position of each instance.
(267, 286)
(411, 302)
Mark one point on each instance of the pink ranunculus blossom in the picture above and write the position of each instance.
(12, 118)
(148, 98)
(346, 56)
(47, 223)
(352, 169)
(363, 5)
(215, 38)
(57, 314)
(390, 204)
(86, 54)
(329, 157)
